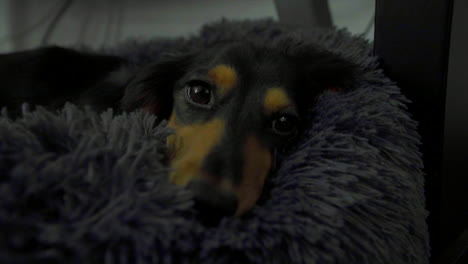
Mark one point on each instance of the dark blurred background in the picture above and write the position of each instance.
(28, 23)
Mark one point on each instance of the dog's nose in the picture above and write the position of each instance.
(211, 202)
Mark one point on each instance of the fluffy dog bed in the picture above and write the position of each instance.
(83, 187)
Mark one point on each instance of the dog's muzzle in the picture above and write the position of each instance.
(211, 202)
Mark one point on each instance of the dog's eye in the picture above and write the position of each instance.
(285, 125)
(199, 92)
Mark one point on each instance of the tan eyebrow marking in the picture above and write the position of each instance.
(275, 100)
(224, 76)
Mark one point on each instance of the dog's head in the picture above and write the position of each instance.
(231, 105)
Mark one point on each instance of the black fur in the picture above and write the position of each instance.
(50, 76)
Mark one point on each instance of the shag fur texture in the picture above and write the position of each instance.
(85, 187)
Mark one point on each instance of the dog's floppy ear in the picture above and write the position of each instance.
(326, 69)
(151, 88)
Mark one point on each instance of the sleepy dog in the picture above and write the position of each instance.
(231, 105)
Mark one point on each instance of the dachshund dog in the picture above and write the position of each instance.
(231, 105)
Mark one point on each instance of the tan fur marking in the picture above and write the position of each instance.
(224, 76)
(275, 100)
(189, 146)
(172, 122)
(257, 163)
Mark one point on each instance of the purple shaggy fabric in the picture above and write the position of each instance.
(84, 187)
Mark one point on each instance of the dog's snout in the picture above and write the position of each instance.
(211, 202)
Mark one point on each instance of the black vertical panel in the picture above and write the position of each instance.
(412, 39)
(455, 166)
